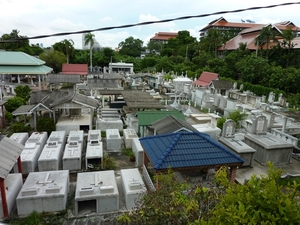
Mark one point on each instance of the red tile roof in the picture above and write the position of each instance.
(81, 69)
(164, 36)
(205, 79)
(248, 36)
(221, 22)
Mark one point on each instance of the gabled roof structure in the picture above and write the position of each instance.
(29, 109)
(146, 118)
(76, 98)
(62, 78)
(79, 69)
(222, 23)
(10, 151)
(172, 124)
(221, 84)
(164, 36)
(21, 63)
(248, 37)
(187, 150)
(136, 100)
(205, 79)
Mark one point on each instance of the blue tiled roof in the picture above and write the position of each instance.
(192, 149)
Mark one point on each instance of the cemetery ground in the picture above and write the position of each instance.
(68, 217)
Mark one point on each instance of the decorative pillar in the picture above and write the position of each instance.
(20, 165)
(232, 174)
(3, 197)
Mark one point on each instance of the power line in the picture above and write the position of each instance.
(148, 22)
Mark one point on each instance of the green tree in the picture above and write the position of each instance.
(13, 103)
(66, 46)
(53, 59)
(23, 92)
(262, 200)
(266, 35)
(252, 69)
(45, 124)
(131, 47)
(288, 36)
(89, 39)
(14, 43)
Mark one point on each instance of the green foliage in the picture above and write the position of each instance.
(53, 59)
(45, 124)
(13, 103)
(23, 92)
(8, 117)
(33, 218)
(19, 127)
(172, 203)
(108, 163)
(260, 201)
(237, 116)
(131, 47)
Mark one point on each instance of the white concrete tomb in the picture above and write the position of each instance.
(44, 192)
(72, 156)
(96, 192)
(113, 139)
(13, 183)
(50, 158)
(128, 135)
(133, 187)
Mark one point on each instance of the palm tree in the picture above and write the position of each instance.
(68, 47)
(288, 36)
(89, 39)
(265, 36)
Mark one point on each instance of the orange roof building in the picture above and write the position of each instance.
(164, 36)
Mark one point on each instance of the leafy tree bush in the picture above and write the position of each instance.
(8, 117)
(260, 201)
(13, 103)
(172, 203)
(19, 127)
(45, 124)
(23, 92)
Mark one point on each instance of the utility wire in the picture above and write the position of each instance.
(148, 22)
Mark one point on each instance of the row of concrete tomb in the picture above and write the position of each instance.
(96, 192)
(60, 151)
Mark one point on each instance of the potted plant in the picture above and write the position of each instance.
(130, 154)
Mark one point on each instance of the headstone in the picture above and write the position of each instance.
(228, 128)
(271, 97)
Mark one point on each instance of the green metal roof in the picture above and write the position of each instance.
(19, 59)
(146, 118)
(42, 69)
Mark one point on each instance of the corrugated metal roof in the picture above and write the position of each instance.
(102, 83)
(61, 78)
(85, 100)
(205, 78)
(28, 109)
(80, 69)
(184, 150)
(222, 84)
(19, 59)
(10, 150)
(170, 124)
(146, 118)
(13, 69)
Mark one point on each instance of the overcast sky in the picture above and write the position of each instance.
(44, 17)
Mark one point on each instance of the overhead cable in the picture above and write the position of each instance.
(148, 22)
